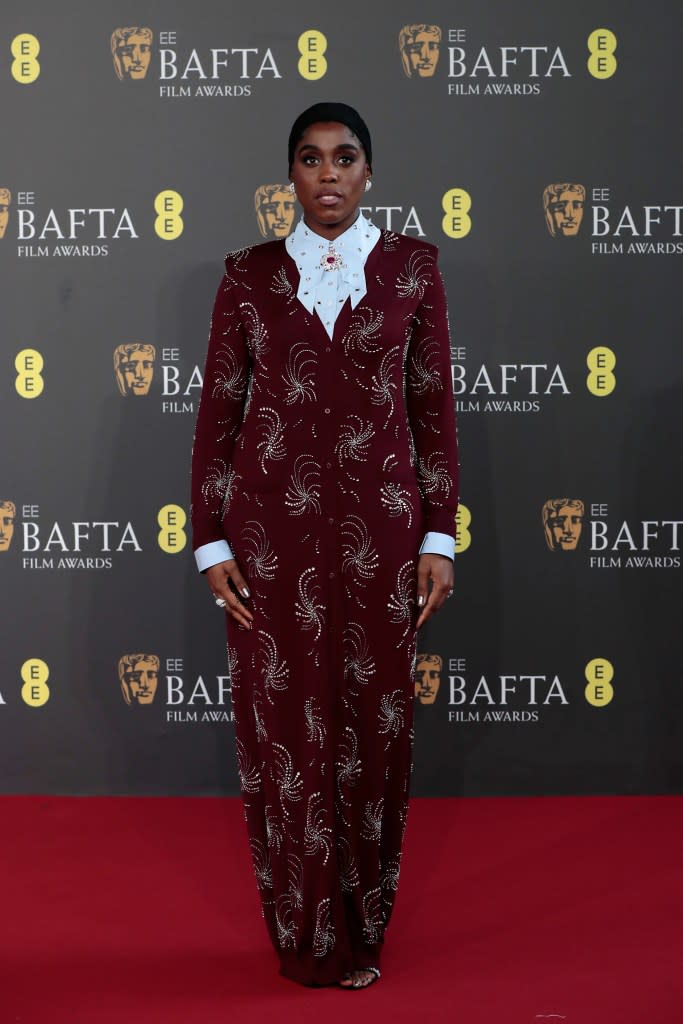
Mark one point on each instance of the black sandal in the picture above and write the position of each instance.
(357, 984)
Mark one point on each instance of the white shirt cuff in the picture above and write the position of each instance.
(438, 544)
(211, 554)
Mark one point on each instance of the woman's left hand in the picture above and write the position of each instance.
(438, 569)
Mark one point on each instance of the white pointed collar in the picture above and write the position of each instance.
(331, 271)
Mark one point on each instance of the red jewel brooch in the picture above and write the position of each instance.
(331, 260)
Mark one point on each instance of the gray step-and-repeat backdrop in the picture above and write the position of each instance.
(539, 146)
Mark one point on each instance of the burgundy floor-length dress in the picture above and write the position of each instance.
(323, 463)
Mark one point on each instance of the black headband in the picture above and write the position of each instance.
(340, 112)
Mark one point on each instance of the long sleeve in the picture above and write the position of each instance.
(227, 375)
(431, 409)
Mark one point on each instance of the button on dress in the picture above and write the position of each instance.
(324, 462)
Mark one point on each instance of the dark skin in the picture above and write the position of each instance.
(329, 174)
(329, 161)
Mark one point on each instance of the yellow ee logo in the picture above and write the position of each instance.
(172, 537)
(602, 43)
(599, 672)
(312, 63)
(169, 224)
(25, 67)
(601, 361)
(456, 203)
(463, 537)
(35, 692)
(28, 364)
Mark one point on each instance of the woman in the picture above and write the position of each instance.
(324, 480)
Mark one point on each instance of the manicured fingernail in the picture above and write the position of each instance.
(245, 591)
(421, 600)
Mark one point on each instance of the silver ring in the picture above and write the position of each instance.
(220, 602)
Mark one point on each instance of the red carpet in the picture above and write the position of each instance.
(509, 911)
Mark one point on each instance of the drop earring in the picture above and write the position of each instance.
(290, 187)
(368, 184)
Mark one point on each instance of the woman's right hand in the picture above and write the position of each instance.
(219, 577)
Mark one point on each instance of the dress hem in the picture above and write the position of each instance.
(329, 972)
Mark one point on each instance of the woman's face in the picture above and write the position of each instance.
(329, 173)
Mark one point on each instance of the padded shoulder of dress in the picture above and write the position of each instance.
(252, 256)
(408, 245)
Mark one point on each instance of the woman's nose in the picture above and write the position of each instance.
(328, 171)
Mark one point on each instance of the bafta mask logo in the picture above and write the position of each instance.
(562, 523)
(139, 676)
(563, 207)
(420, 46)
(8, 511)
(5, 200)
(131, 50)
(427, 677)
(275, 209)
(134, 368)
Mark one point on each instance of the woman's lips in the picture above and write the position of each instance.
(329, 198)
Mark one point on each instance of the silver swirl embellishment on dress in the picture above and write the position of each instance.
(230, 381)
(261, 558)
(423, 371)
(259, 724)
(371, 827)
(274, 834)
(274, 673)
(272, 430)
(359, 665)
(401, 602)
(237, 259)
(315, 726)
(354, 440)
(383, 383)
(389, 875)
(348, 871)
(257, 335)
(433, 474)
(396, 499)
(373, 917)
(303, 490)
(249, 774)
(359, 556)
(299, 375)
(295, 880)
(281, 285)
(363, 331)
(317, 835)
(219, 484)
(285, 923)
(308, 610)
(348, 766)
(391, 715)
(323, 938)
(262, 867)
(287, 779)
(415, 278)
